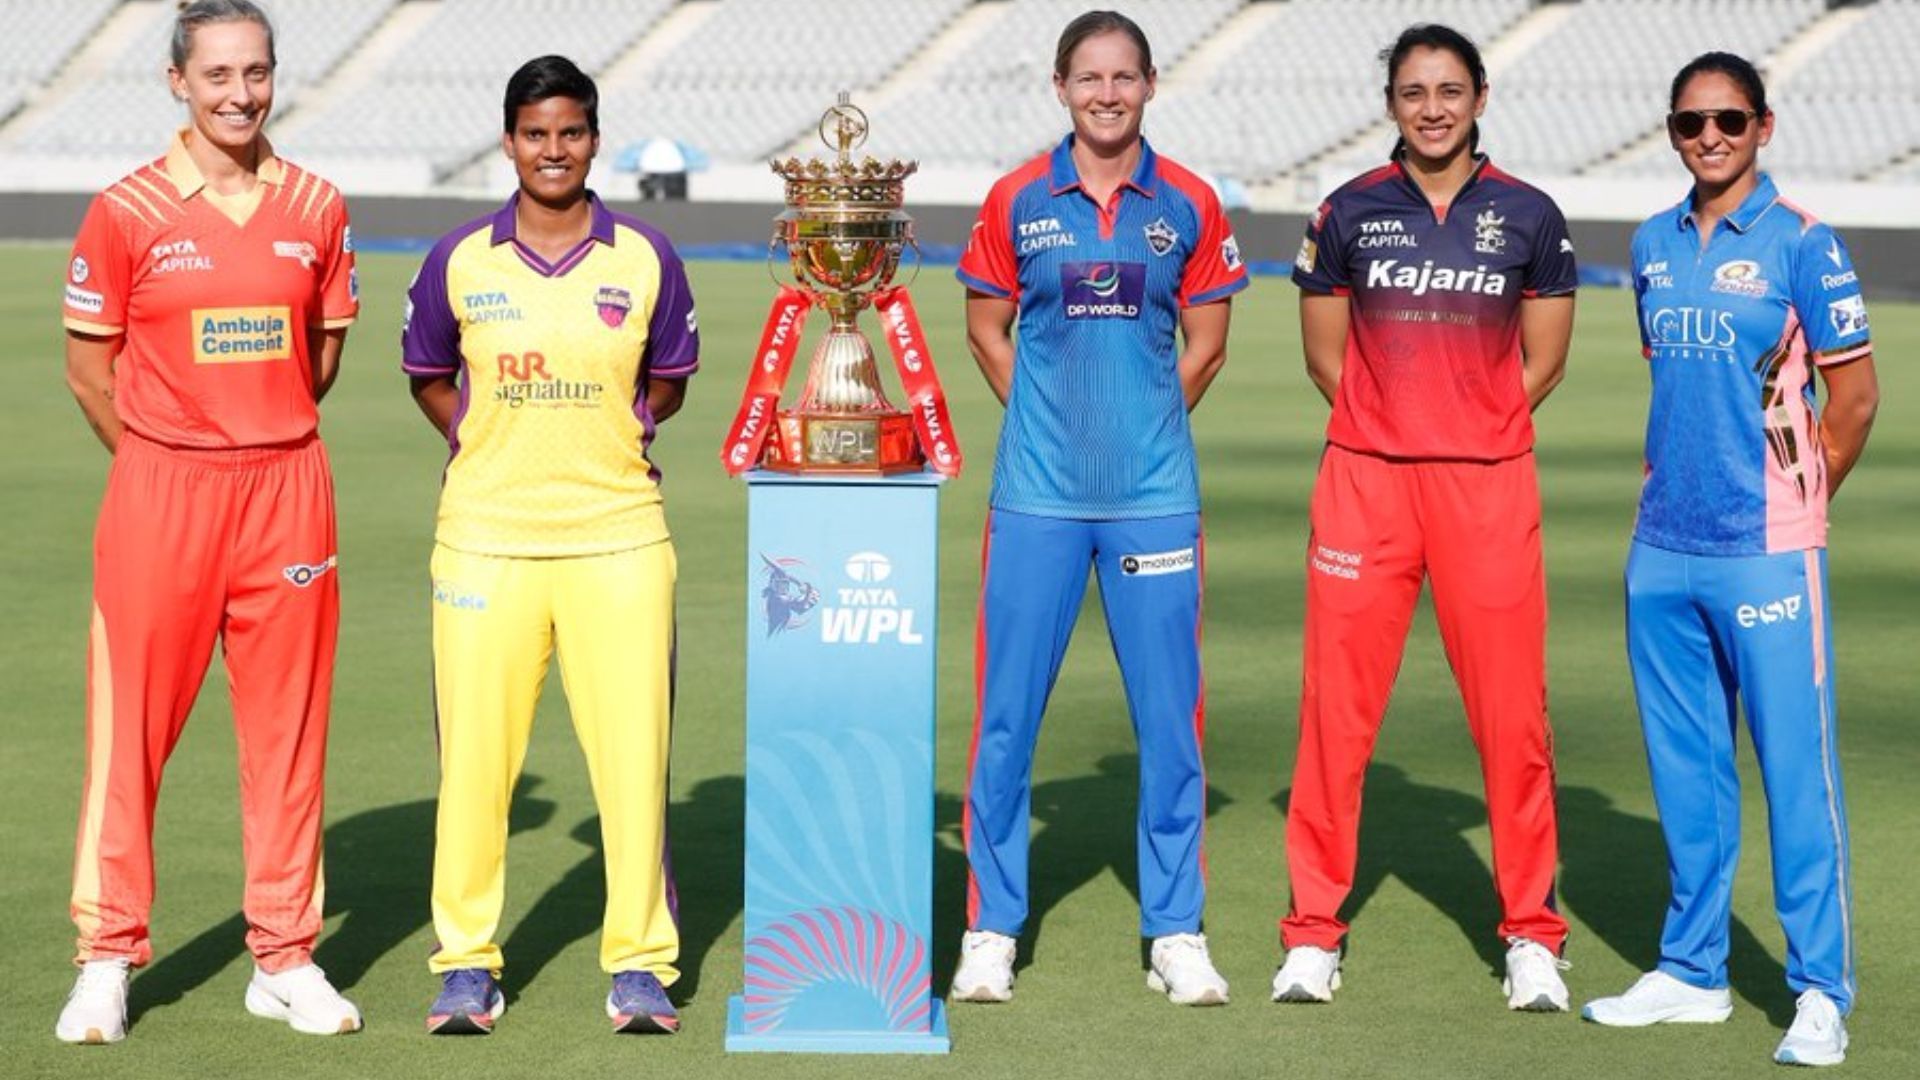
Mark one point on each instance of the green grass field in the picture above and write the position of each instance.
(1422, 997)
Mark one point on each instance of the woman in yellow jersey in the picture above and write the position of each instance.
(546, 340)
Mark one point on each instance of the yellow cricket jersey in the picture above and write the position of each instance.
(553, 360)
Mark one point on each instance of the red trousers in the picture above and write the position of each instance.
(194, 546)
(1379, 528)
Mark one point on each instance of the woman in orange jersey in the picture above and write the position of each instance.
(206, 304)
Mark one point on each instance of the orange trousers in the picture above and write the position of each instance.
(195, 546)
(1379, 528)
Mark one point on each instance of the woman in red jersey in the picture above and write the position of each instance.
(1436, 307)
(206, 304)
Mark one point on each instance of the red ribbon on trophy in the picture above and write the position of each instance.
(914, 361)
(779, 342)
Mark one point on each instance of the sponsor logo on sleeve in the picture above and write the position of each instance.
(1181, 561)
(1309, 255)
(1161, 236)
(353, 284)
(1566, 246)
(241, 335)
(1840, 280)
(86, 300)
(1102, 290)
(79, 270)
(1741, 277)
(693, 322)
(1849, 315)
(1230, 254)
(1833, 252)
(346, 239)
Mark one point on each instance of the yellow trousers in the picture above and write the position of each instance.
(496, 622)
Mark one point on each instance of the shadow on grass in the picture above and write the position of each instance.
(1080, 837)
(706, 833)
(1614, 873)
(379, 875)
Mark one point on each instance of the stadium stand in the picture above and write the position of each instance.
(438, 94)
(40, 37)
(993, 103)
(718, 89)
(1309, 79)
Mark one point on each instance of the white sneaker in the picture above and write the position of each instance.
(1818, 1035)
(1309, 974)
(1533, 982)
(1182, 970)
(1659, 998)
(304, 998)
(985, 973)
(96, 1009)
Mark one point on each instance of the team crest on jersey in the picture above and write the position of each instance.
(613, 305)
(786, 597)
(1849, 315)
(1741, 277)
(1230, 254)
(1161, 236)
(1488, 235)
(304, 574)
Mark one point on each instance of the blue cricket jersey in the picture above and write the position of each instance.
(1096, 423)
(1732, 333)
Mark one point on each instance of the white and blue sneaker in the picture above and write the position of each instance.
(1309, 974)
(1818, 1035)
(985, 973)
(1659, 998)
(96, 1009)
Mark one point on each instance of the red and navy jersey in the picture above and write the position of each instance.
(1096, 423)
(1433, 366)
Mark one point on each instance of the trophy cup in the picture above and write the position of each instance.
(844, 233)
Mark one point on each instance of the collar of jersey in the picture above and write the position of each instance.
(189, 181)
(601, 229)
(1757, 202)
(1399, 161)
(1065, 177)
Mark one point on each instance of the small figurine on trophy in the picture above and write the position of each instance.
(844, 232)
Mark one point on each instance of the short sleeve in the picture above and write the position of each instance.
(1215, 270)
(673, 335)
(1551, 269)
(95, 300)
(987, 265)
(339, 278)
(1826, 293)
(1321, 264)
(429, 332)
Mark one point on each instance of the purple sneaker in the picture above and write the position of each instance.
(638, 1005)
(469, 1002)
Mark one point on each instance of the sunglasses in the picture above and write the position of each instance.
(1690, 123)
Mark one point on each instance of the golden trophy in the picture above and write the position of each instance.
(844, 232)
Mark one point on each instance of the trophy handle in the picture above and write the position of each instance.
(919, 258)
(778, 239)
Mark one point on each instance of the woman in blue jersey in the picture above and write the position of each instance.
(1104, 252)
(1742, 298)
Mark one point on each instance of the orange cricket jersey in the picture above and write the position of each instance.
(215, 295)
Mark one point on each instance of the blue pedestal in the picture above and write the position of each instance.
(841, 611)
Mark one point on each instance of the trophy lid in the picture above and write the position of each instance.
(867, 184)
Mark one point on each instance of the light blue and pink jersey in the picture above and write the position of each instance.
(1732, 332)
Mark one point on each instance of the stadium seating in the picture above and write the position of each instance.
(758, 73)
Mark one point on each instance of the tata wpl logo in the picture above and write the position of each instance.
(868, 611)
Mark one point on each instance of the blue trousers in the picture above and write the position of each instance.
(1032, 582)
(1702, 632)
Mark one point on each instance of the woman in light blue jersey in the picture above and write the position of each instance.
(1742, 298)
